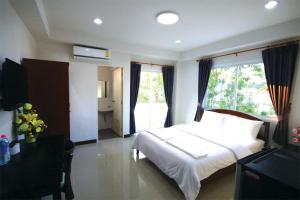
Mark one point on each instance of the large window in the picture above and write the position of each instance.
(242, 88)
(151, 108)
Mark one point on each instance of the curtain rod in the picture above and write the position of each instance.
(152, 64)
(252, 49)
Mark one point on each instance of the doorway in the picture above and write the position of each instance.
(110, 106)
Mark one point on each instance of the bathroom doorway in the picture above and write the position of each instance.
(110, 106)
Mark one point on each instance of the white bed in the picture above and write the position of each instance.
(181, 166)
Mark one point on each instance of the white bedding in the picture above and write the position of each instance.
(185, 169)
(164, 133)
(189, 144)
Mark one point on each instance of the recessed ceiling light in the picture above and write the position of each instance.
(167, 18)
(271, 4)
(178, 41)
(98, 21)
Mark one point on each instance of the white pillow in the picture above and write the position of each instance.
(237, 127)
(212, 122)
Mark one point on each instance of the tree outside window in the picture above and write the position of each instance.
(242, 88)
(151, 88)
(151, 108)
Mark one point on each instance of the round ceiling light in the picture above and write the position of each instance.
(98, 21)
(167, 18)
(271, 5)
(177, 41)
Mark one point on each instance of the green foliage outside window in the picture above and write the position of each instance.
(242, 88)
(151, 88)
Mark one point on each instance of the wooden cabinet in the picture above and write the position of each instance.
(48, 85)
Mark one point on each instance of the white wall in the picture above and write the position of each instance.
(186, 91)
(82, 87)
(116, 46)
(83, 101)
(186, 78)
(187, 69)
(50, 50)
(54, 51)
(123, 60)
(16, 42)
(295, 97)
(281, 31)
(106, 74)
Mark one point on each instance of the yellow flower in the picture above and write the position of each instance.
(18, 121)
(34, 123)
(27, 106)
(24, 116)
(40, 122)
(38, 129)
(29, 123)
(24, 127)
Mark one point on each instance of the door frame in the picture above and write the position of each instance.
(121, 106)
(122, 97)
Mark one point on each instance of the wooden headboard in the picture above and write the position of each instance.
(263, 135)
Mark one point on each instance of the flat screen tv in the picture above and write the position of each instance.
(13, 87)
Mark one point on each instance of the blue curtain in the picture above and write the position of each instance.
(279, 69)
(135, 71)
(203, 77)
(168, 79)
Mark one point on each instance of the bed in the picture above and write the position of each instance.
(197, 153)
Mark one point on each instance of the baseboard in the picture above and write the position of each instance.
(86, 142)
(128, 135)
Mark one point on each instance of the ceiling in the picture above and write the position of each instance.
(133, 21)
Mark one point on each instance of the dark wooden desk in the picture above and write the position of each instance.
(33, 175)
(270, 174)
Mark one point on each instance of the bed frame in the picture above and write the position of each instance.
(263, 135)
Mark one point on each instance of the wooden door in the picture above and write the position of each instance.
(117, 96)
(48, 85)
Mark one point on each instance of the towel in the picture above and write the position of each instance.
(164, 133)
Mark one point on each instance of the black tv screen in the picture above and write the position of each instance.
(14, 89)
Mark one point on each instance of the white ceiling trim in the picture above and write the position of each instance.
(270, 34)
(42, 12)
(264, 35)
(122, 47)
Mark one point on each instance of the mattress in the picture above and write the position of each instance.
(184, 169)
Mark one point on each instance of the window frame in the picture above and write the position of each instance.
(158, 70)
(238, 64)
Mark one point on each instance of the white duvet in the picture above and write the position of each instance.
(189, 144)
(188, 168)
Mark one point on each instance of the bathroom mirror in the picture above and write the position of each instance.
(103, 91)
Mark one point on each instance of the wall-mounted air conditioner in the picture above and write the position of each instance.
(86, 52)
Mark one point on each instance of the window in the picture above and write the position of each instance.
(151, 108)
(242, 88)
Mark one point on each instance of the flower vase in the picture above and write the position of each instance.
(30, 139)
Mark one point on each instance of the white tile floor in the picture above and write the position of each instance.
(109, 170)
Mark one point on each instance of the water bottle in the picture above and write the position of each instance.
(4, 150)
